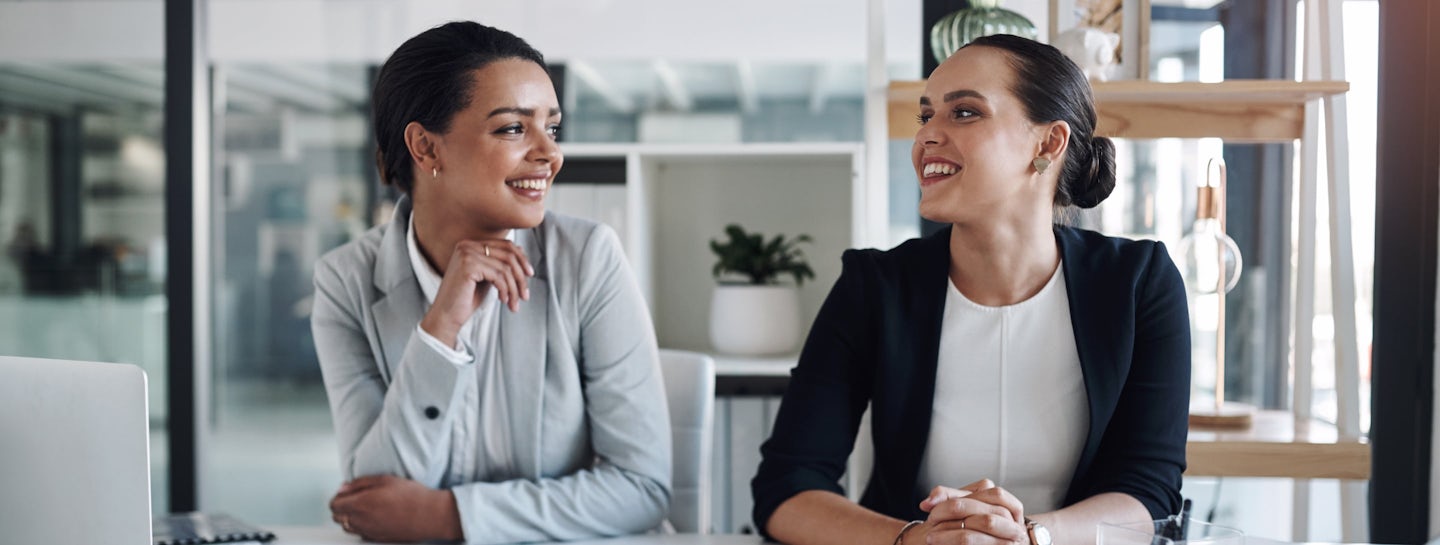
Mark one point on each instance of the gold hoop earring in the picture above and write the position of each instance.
(1041, 164)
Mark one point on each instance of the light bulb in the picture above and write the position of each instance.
(1209, 259)
(1207, 256)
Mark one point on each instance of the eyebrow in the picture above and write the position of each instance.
(527, 112)
(953, 95)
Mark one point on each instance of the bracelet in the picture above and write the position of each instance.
(900, 537)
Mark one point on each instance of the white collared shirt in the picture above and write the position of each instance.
(1010, 402)
(480, 445)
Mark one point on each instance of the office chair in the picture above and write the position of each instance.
(690, 391)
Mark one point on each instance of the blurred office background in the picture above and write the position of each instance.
(83, 207)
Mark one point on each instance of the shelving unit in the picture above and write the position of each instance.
(775, 366)
(1241, 111)
(676, 198)
(1277, 446)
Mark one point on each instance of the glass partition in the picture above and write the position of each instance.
(82, 178)
(295, 179)
(713, 102)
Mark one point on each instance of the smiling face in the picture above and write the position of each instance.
(499, 157)
(974, 149)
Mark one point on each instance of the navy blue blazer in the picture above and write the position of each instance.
(877, 338)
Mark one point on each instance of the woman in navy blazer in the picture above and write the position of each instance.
(995, 117)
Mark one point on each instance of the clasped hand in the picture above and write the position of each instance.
(979, 513)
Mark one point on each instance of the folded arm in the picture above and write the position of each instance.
(798, 498)
(402, 428)
(627, 490)
(1142, 453)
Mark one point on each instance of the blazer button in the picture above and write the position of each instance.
(432, 413)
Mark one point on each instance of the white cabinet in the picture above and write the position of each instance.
(675, 199)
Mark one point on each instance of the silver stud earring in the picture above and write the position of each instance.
(1041, 164)
(434, 173)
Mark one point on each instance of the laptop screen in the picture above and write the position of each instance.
(74, 452)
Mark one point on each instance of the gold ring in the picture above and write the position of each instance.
(487, 250)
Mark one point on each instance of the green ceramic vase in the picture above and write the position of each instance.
(982, 18)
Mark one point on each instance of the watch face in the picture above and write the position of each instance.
(1042, 535)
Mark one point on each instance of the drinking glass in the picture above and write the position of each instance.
(1152, 533)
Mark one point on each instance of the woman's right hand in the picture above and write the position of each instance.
(974, 514)
(475, 266)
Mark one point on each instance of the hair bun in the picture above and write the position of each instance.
(1096, 182)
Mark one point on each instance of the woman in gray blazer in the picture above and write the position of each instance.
(491, 367)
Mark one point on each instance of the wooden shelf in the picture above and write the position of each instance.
(1236, 110)
(1240, 90)
(1274, 446)
(1277, 446)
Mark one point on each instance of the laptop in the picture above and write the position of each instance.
(74, 452)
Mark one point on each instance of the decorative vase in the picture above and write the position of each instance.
(750, 320)
(982, 18)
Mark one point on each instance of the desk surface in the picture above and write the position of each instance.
(332, 535)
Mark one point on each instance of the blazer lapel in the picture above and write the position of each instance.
(1090, 305)
(402, 305)
(925, 299)
(522, 352)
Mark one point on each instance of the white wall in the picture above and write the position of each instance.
(695, 199)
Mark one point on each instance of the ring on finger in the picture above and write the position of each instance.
(487, 250)
(962, 524)
(345, 522)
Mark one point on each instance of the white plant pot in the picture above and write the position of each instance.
(748, 320)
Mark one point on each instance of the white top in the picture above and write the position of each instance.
(485, 402)
(1010, 402)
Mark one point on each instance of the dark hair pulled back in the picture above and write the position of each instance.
(428, 80)
(1053, 88)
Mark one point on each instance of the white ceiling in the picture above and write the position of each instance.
(311, 54)
(367, 30)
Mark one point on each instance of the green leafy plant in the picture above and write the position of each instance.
(748, 254)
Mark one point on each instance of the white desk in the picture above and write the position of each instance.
(332, 535)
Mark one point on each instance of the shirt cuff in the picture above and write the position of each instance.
(453, 355)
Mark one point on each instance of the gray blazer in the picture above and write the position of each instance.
(588, 415)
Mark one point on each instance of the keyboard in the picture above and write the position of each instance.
(201, 528)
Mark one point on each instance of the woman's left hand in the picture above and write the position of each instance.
(998, 528)
(391, 509)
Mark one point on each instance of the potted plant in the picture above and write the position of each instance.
(752, 313)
